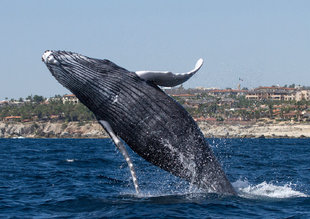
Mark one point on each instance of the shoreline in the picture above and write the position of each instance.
(87, 130)
(256, 130)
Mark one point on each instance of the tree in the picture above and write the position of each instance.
(38, 99)
(270, 107)
(57, 96)
(29, 98)
(257, 114)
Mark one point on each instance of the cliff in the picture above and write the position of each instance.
(94, 130)
(52, 130)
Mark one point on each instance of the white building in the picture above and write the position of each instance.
(70, 98)
(302, 95)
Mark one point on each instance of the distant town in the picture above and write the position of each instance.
(264, 103)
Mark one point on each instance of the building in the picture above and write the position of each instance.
(184, 95)
(12, 118)
(70, 98)
(302, 95)
(226, 92)
(290, 96)
(271, 93)
(4, 103)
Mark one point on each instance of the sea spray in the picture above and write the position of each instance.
(266, 190)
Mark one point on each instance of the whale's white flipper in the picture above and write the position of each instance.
(123, 150)
(169, 79)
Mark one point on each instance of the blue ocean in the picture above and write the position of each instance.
(89, 178)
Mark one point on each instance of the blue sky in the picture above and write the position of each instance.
(264, 42)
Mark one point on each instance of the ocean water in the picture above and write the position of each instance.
(89, 178)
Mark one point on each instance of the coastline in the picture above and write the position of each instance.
(52, 130)
(256, 130)
(210, 130)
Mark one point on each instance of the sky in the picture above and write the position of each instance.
(263, 42)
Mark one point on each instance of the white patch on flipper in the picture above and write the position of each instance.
(123, 150)
(168, 79)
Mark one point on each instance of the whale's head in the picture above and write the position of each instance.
(88, 78)
(72, 70)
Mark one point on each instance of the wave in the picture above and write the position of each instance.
(266, 190)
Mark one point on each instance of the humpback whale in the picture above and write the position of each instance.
(132, 108)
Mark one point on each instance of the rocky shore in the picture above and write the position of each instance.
(94, 130)
(52, 130)
(256, 130)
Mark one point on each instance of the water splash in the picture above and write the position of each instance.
(189, 192)
(266, 190)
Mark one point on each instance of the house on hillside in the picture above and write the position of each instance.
(226, 92)
(303, 95)
(4, 103)
(12, 118)
(291, 115)
(70, 98)
(271, 93)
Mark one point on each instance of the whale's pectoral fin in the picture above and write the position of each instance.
(119, 144)
(168, 79)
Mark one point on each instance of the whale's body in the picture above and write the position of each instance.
(153, 124)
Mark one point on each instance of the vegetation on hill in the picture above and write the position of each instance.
(52, 110)
(235, 107)
(219, 108)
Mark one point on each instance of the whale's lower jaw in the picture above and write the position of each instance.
(153, 125)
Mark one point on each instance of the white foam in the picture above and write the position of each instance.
(70, 160)
(19, 137)
(266, 190)
(157, 194)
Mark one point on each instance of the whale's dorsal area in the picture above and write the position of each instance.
(167, 78)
